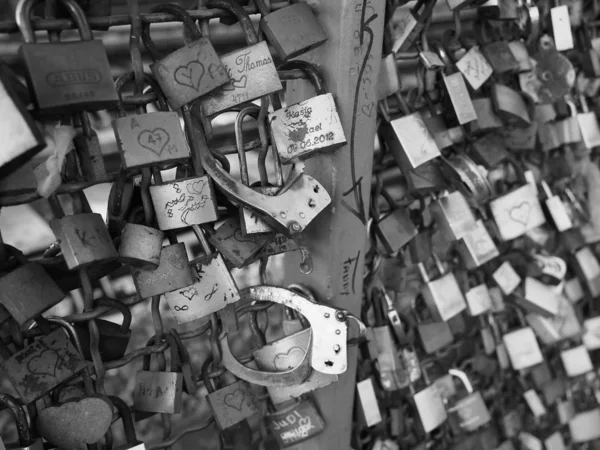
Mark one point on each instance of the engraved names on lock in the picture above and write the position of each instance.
(475, 68)
(43, 365)
(517, 212)
(307, 127)
(232, 404)
(158, 392)
(460, 98)
(212, 290)
(252, 74)
(296, 425)
(183, 203)
(148, 139)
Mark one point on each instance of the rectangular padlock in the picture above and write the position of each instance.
(475, 68)
(522, 348)
(477, 247)
(460, 98)
(453, 215)
(517, 212)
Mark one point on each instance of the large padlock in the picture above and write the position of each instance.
(113, 338)
(83, 237)
(212, 289)
(22, 137)
(28, 291)
(66, 76)
(27, 439)
(307, 128)
(292, 30)
(251, 70)
(293, 425)
(557, 210)
(150, 138)
(191, 71)
(159, 391)
(467, 413)
(132, 442)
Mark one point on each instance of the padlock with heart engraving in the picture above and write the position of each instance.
(212, 289)
(467, 413)
(159, 391)
(66, 76)
(310, 127)
(453, 215)
(191, 71)
(132, 442)
(292, 30)
(296, 423)
(27, 439)
(83, 237)
(147, 139)
(251, 70)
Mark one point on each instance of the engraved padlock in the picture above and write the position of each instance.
(251, 70)
(132, 442)
(293, 425)
(561, 27)
(292, 30)
(212, 289)
(27, 439)
(66, 76)
(146, 139)
(475, 68)
(310, 127)
(568, 127)
(191, 71)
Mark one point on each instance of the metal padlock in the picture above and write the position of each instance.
(587, 268)
(28, 370)
(113, 338)
(477, 295)
(310, 127)
(588, 124)
(292, 30)
(293, 425)
(159, 391)
(426, 180)
(83, 237)
(538, 298)
(568, 128)
(487, 119)
(369, 412)
(510, 105)
(173, 273)
(433, 335)
(590, 59)
(476, 247)
(140, 246)
(191, 71)
(251, 69)
(429, 405)
(23, 139)
(496, 50)
(442, 295)
(522, 346)
(467, 413)
(557, 210)
(561, 27)
(66, 76)
(149, 138)
(489, 150)
(27, 439)
(584, 426)
(389, 82)
(576, 361)
(453, 215)
(132, 442)
(475, 68)
(212, 288)
(28, 291)
(408, 27)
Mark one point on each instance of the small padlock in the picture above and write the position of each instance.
(296, 423)
(477, 247)
(433, 335)
(159, 391)
(467, 413)
(369, 412)
(212, 289)
(251, 70)
(83, 237)
(576, 361)
(389, 82)
(173, 273)
(66, 76)
(522, 346)
(561, 27)
(584, 426)
(409, 26)
(588, 124)
(475, 68)
(113, 338)
(140, 246)
(148, 138)
(310, 127)
(549, 136)
(478, 295)
(557, 210)
(453, 215)
(506, 278)
(130, 436)
(292, 30)
(191, 71)
(429, 405)
(27, 439)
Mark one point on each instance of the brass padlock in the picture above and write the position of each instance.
(453, 215)
(499, 10)
(477, 247)
(149, 138)
(66, 76)
(307, 128)
(251, 70)
(27, 439)
(191, 71)
(292, 30)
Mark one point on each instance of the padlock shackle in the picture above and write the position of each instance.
(23, 19)
(182, 15)
(126, 417)
(20, 417)
(239, 140)
(123, 309)
(149, 80)
(310, 70)
(175, 365)
(184, 354)
(208, 383)
(242, 16)
(462, 376)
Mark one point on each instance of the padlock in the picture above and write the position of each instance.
(586, 266)
(89, 151)
(189, 381)
(129, 428)
(140, 246)
(584, 426)
(591, 335)
(506, 278)
(461, 171)
(149, 138)
(409, 26)
(369, 411)
(295, 423)
(556, 209)
(549, 136)
(521, 54)
(588, 124)
(522, 346)
(538, 298)
(66, 76)
(518, 211)
(191, 71)
(476, 247)
(561, 27)
(23, 139)
(429, 405)
(477, 295)
(173, 273)
(113, 338)
(534, 402)
(510, 105)
(568, 127)
(297, 133)
(212, 289)
(442, 295)
(590, 59)
(389, 81)
(487, 119)
(426, 180)
(27, 439)
(83, 237)
(251, 70)
(27, 369)
(489, 150)
(28, 291)
(292, 30)
(496, 50)
(159, 391)
(576, 361)
(467, 413)
(510, 414)
(453, 215)
(433, 335)
(475, 68)
(499, 10)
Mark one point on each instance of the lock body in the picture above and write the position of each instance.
(395, 230)
(522, 348)
(140, 246)
(293, 426)
(475, 68)
(443, 297)
(477, 247)
(232, 404)
(250, 221)
(517, 212)
(236, 248)
(453, 216)
(69, 76)
(469, 413)
(460, 98)
(158, 392)
(430, 407)
(487, 119)
(434, 336)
